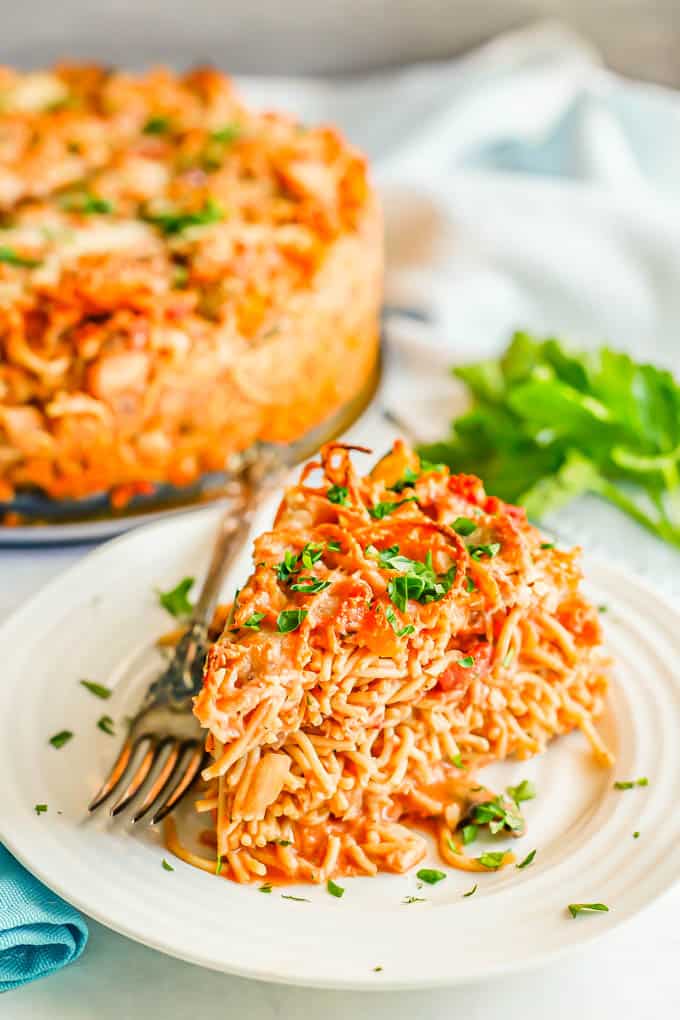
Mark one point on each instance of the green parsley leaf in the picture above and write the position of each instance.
(266, 888)
(431, 875)
(156, 126)
(254, 620)
(227, 134)
(413, 899)
(166, 865)
(464, 526)
(547, 545)
(176, 600)
(469, 584)
(86, 203)
(523, 791)
(466, 662)
(98, 690)
(477, 551)
(493, 860)
(333, 546)
(407, 479)
(469, 833)
(11, 258)
(334, 889)
(470, 892)
(283, 842)
(457, 760)
(311, 554)
(394, 624)
(218, 865)
(602, 609)
(527, 860)
(61, 738)
(636, 834)
(105, 724)
(376, 970)
(176, 222)
(40, 809)
(338, 494)
(289, 620)
(289, 565)
(578, 908)
(298, 899)
(382, 510)
(310, 585)
(417, 580)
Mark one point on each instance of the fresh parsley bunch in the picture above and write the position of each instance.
(548, 424)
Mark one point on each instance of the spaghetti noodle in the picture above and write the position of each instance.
(398, 631)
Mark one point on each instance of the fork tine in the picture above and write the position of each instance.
(115, 775)
(151, 755)
(191, 770)
(161, 781)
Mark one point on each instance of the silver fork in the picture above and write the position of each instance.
(164, 721)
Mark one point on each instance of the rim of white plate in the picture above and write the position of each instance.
(516, 920)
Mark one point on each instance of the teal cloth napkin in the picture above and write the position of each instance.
(39, 932)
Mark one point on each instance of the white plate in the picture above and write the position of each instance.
(103, 610)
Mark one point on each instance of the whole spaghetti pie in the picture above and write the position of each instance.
(179, 277)
(398, 632)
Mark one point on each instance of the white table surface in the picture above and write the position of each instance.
(634, 972)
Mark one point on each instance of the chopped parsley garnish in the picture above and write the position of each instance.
(289, 565)
(266, 888)
(469, 584)
(310, 585)
(333, 546)
(283, 842)
(289, 620)
(547, 545)
(311, 554)
(469, 833)
(338, 494)
(527, 860)
(376, 970)
(523, 791)
(636, 834)
(166, 865)
(408, 478)
(628, 784)
(61, 738)
(602, 609)
(40, 809)
(156, 126)
(98, 690)
(86, 203)
(218, 865)
(464, 526)
(430, 875)
(578, 908)
(334, 889)
(457, 760)
(381, 510)
(416, 580)
(254, 620)
(175, 221)
(176, 600)
(413, 899)
(227, 134)
(498, 816)
(492, 860)
(12, 258)
(394, 624)
(105, 724)
(477, 551)
(298, 899)
(466, 662)
(470, 892)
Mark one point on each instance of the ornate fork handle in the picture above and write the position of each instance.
(181, 680)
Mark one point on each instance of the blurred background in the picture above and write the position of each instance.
(640, 38)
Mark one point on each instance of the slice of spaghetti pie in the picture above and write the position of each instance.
(398, 631)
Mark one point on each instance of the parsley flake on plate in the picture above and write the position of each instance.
(166, 865)
(523, 791)
(527, 860)
(431, 875)
(105, 724)
(470, 892)
(334, 889)
(413, 899)
(40, 809)
(628, 784)
(298, 899)
(492, 860)
(176, 601)
(99, 690)
(579, 908)
(61, 738)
